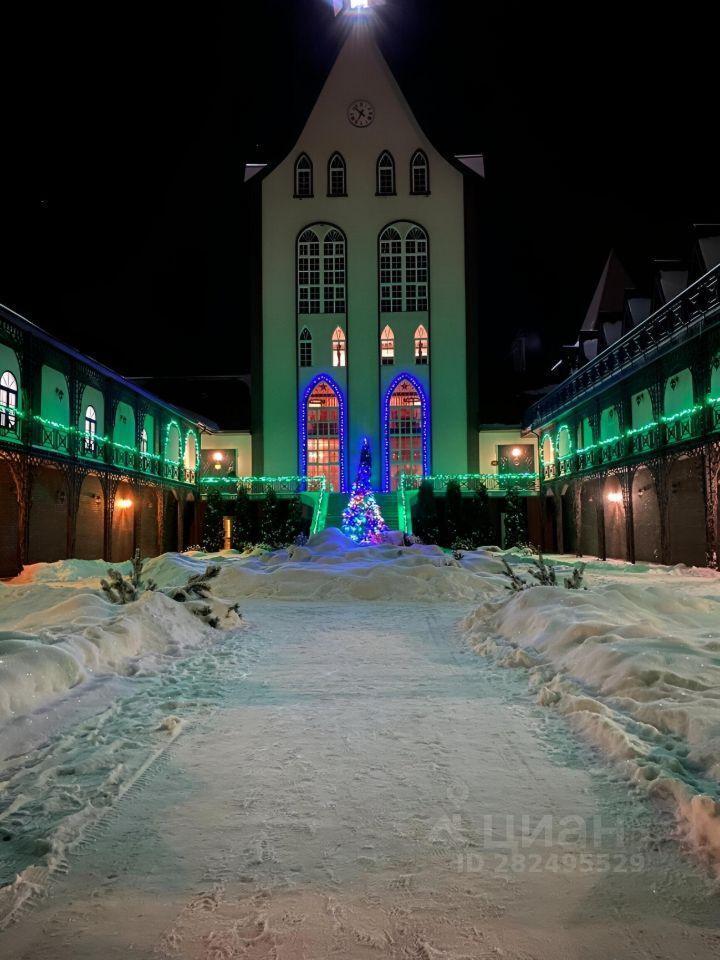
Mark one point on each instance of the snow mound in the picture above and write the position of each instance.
(635, 666)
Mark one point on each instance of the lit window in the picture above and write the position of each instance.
(90, 429)
(339, 348)
(303, 176)
(404, 269)
(305, 348)
(8, 401)
(385, 174)
(422, 345)
(419, 174)
(144, 441)
(387, 347)
(337, 186)
(321, 279)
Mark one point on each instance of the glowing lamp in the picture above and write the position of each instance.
(615, 497)
(124, 503)
(359, 4)
(516, 452)
(218, 457)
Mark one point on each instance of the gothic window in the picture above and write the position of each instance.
(8, 401)
(90, 429)
(385, 175)
(391, 287)
(404, 269)
(303, 176)
(337, 176)
(387, 347)
(419, 173)
(422, 345)
(339, 348)
(321, 270)
(305, 348)
(323, 450)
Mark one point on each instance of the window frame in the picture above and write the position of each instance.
(422, 359)
(305, 348)
(393, 167)
(419, 193)
(339, 348)
(321, 270)
(330, 191)
(387, 346)
(403, 268)
(9, 392)
(90, 432)
(297, 194)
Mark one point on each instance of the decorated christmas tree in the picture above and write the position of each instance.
(361, 519)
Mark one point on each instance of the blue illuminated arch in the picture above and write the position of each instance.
(322, 378)
(424, 413)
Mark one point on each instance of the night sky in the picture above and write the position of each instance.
(124, 220)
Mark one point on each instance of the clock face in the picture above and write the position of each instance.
(361, 113)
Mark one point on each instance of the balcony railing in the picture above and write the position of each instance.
(261, 485)
(493, 482)
(688, 313)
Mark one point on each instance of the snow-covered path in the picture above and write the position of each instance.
(354, 781)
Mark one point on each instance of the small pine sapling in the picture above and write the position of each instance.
(576, 579)
(517, 584)
(544, 574)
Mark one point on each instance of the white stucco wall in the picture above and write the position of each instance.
(490, 440)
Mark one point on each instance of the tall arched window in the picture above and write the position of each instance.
(144, 441)
(303, 176)
(339, 348)
(321, 272)
(387, 346)
(322, 432)
(404, 269)
(419, 173)
(337, 176)
(8, 401)
(90, 428)
(422, 345)
(385, 175)
(305, 351)
(406, 426)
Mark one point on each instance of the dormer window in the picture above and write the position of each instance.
(303, 176)
(419, 174)
(337, 176)
(385, 175)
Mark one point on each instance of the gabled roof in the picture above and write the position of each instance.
(609, 296)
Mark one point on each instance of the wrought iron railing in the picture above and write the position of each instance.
(492, 482)
(687, 313)
(261, 485)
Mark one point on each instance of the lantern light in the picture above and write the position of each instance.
(124, 503)
(516, 452)
(218, 456)
(615, 497)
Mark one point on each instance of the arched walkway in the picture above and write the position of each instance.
(646, 517)
(48, 517)
(614, 515)
(590, 504)
(190, 531)
(686, 512)
(569, 534)
(9, 526)
(550, 531)
(123, 536)
(147, 526)
(90, 520)
(406, 431)
(170, 524)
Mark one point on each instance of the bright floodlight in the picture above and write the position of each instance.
(354, 4)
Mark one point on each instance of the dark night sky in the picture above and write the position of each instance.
(125, 234)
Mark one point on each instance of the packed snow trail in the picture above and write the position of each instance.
(354, 781)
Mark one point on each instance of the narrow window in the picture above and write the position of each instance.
(385, 175)
(416, 270)
(387, 347)
(8, 401)
(309, 273)
(337, 186)
(419, 173)
(422, 345)
(305, 348)
(90, 429)
(303, 176)
(144, 441)
(334, 272)
(391, 286)
(339, 348)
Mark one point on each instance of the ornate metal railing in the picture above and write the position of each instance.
(493, 482)
(686, 314)
(261, 485)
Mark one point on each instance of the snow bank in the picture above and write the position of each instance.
(634, 663)
(333, 567)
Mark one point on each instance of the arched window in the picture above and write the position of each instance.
(321, 279)
(303, 176)
(404, 269)
(385, 175)
(422, 345)
(8, 401)
(387, 347)
(90, 428)
(337, 176)
(321, 441)
(406, 431)
(339, 348)
(144, 441)
(419, 173)
(305, 348)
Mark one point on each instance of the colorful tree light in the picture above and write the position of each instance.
(362, 520)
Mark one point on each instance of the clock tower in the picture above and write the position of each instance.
(363, 303)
